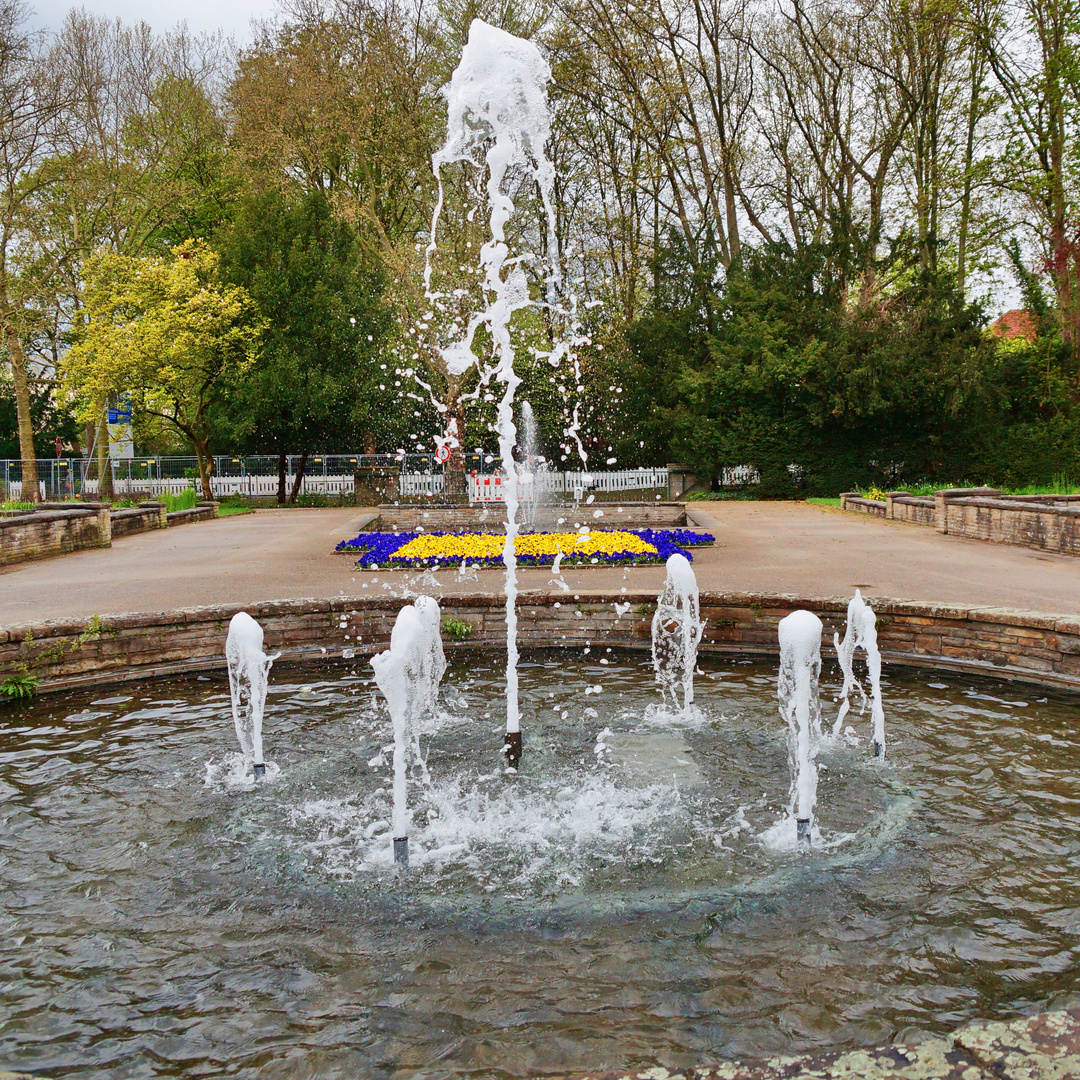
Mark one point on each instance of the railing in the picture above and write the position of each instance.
(257, 476)
(421, 483)
(577, 483)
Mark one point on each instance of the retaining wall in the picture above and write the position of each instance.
(852, 501)
(914, 509)
(202, 511)
(142, 518)
(57, 528)
(1031, 647)
(1045, 522)
(492, 517)
(52, 532)
(1008, 521)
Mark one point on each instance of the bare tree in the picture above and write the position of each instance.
(31, 103)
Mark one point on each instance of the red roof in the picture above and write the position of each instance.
(1015, 324)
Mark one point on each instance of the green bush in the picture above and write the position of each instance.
(19, 687)
(186, 500)
(457, 628)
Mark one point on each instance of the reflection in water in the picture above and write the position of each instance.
(612, 905)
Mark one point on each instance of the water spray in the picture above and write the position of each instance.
(800, 666)
(861, 632)
(676, 634)
(498, 118)
(249, 674)
(408, 674)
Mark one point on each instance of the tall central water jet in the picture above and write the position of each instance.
(498, 119)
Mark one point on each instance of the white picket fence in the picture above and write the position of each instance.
(221, 486)
(410, 484)
(421, 483)
(613, 480)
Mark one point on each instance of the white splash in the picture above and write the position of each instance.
(249, 671)
(861, 632)
(498, 118)
(800, 667)
(503, 835)
(533, 474)
(408, 674)
(676, 634)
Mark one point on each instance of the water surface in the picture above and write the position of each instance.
(613, 906)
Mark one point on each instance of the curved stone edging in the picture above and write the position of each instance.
(1028, 646)
(1041, 1047)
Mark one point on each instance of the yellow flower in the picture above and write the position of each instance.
(489, 546)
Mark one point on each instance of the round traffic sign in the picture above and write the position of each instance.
(443, 453)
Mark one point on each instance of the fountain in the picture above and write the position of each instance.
(650, 915)
(534, 468)
(647, 845)
(408, 674)
(800, 667)
(498, 120)
(676, 634)
(861, 631)
(249, 670)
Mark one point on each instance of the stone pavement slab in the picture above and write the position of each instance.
(761, 547)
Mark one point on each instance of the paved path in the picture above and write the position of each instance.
(761, 547)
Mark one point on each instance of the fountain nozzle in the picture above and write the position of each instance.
(401, 850)
(802, 830)
(260, 770)
(512, 748)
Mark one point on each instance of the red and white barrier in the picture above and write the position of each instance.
(486, 489)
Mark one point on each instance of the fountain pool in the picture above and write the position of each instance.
(612, 906)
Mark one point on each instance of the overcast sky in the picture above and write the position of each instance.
(232, 16)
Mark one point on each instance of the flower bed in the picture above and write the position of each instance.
(599, 547)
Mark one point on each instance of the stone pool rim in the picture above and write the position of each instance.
(1037, 648)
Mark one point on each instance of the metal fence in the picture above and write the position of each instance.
(257, 475)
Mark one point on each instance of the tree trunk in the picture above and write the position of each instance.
(202, 455)
(282, 476)
(975, 74)
(19, 376)
(299, 478)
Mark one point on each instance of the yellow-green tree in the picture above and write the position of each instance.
(166, 331)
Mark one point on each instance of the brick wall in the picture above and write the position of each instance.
(57, 528)
(1007, 521)
(52, 532)
(1045, 522)
(142, 518)
(202, 511)
(492, 517)
(852, 500)
(1043, 649)
(915, 510)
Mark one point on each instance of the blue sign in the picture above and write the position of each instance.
(120, 413)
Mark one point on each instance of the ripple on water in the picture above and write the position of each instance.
(614, 904)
